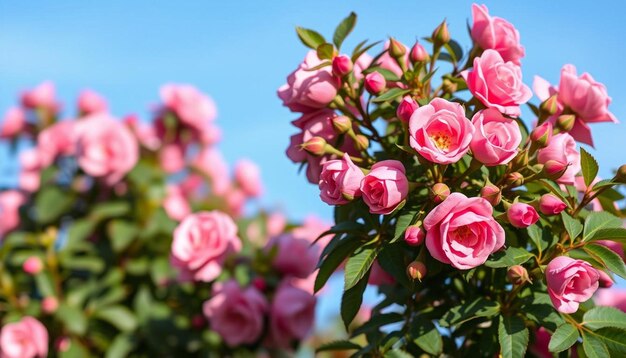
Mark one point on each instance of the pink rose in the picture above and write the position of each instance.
(30, 175)
(291, 316)
(14, 123)
(10, 202)
(248, 177)
(236, 314)
(340, 181)
(312, 227)
(175, 203)
(145, 132)
(522, 215)
(295, 255)
(192, 107)
(202, 242)
(307, 90)
(43, 96)
(461, 231)
(406, 108)
(172, 158)
(235, 200)
(105, 147)
(570, 282)
(26, 338)
(562, 149)
(497, 84)
(496, 34)
(440, 132)
(496, 138)
(414, 235)
(210, 162)
(378, 276)
(91, 102)
(276, 223)
(385, 187)
(612, 298)
(56, 140)
(551, 205)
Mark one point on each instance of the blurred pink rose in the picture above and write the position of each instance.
(440, 132)
(42, 96)
(235, 201)
(292, 315)
(539, 346)
(32, 265)
(385, 187)
(295, 255)
(496, 138)
(26, 338)
(562, 149)
(340, 181)
(306, 90)
(91, 102)
(145, 132)
(10, 202)
(461, 231)
(202, 242)
(612, 298)
(194, 109)
(522, 215)
(248, 177)
(235, 313)
(276, 223)
(56, 140)
(496, 33)
(30, 174)
(175, 203)
(312, 227)
(105, 147)
(172, 158)
(14, 123)
(210, 162)
(49, 304)
(497, 84)
(378, 276)
(570, 282)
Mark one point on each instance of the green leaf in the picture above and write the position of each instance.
(325, 51)
(455, 50)
(337, 346)
(358, 265)
(344, 28)
(392, 93)
(608, 257)
(405, 219)
(392, 259)
(538, 307)
(427, 337)
(614, 340)
(377, 321)
(72, 318)
(45, 283)
(78, 232)
(310, 38)
(122, 233)
(121, 346)
(509, 257)
(602, 317)
(564, 337)
(572, 226)
(480, 307)
(598, 220)
(589, 166)
(361, 50)
(593, 346)
(50, 203)
(351, 301)
(397, 353)
(614, 233)
(513, 337)
(119, 316)
(109, 210)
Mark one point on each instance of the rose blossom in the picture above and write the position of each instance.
(496, 138)
(570, 282)
(562, 149)
(295, 255)
(26, 338)
(307, 90)
(210, 162)
(30, 174)
(105, 147)
(440, 132)
(551, 205)
(248, 177)
(612, 298)
(56, 140)
(496, 33)
(193, 108)
(202, 242)
(235, 313)
(10, 202)
(172, 158)
(175, 203)
(522, 215)
(461, 231)
(42, 96)
(14, 123)
(292, 315)
(497, 84)
(340, 181)
(385, 186)
(91, 102)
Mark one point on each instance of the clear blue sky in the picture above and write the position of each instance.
(240, 52)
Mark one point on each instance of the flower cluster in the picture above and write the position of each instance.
(124, 236)
(438, 182)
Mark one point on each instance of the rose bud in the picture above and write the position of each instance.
(362, 143)
(32, 265)
(375, 82)
(414, 235)
(62, 344)
(441, 35)
(550, 106)
(406, 108)
(517, 275)
(342, 65)
(491, 193)
(551, 205)
(49, 304)
(620, 175)
(553, 169)
(565, 122)
(542, 134)
(396, 49)
(418, 53)
(440, 192)
(449, 86)
(604, 281)
(522, 215)
(315, 146)
(416, 270)
(515, 179)
(342, 124)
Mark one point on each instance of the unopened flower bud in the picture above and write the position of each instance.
(441, 35)
(418, 53)
(521, 159)
(375, 82)
(550, 106)
(416, 270)
(406, 108)
(542, 134)
(604, 281)
(551, 205)
(32, 265)
(49, 304)
(362, 143)
(553, 169)
(517, 275)
(342, 65)
(515, 179)
(414, 235)
(396, 49)
(449, 86)
(62, 344)
(620, 175)
(315, 146)
(342, 124)
(439, 192)
(491, 193)
(565, 122)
